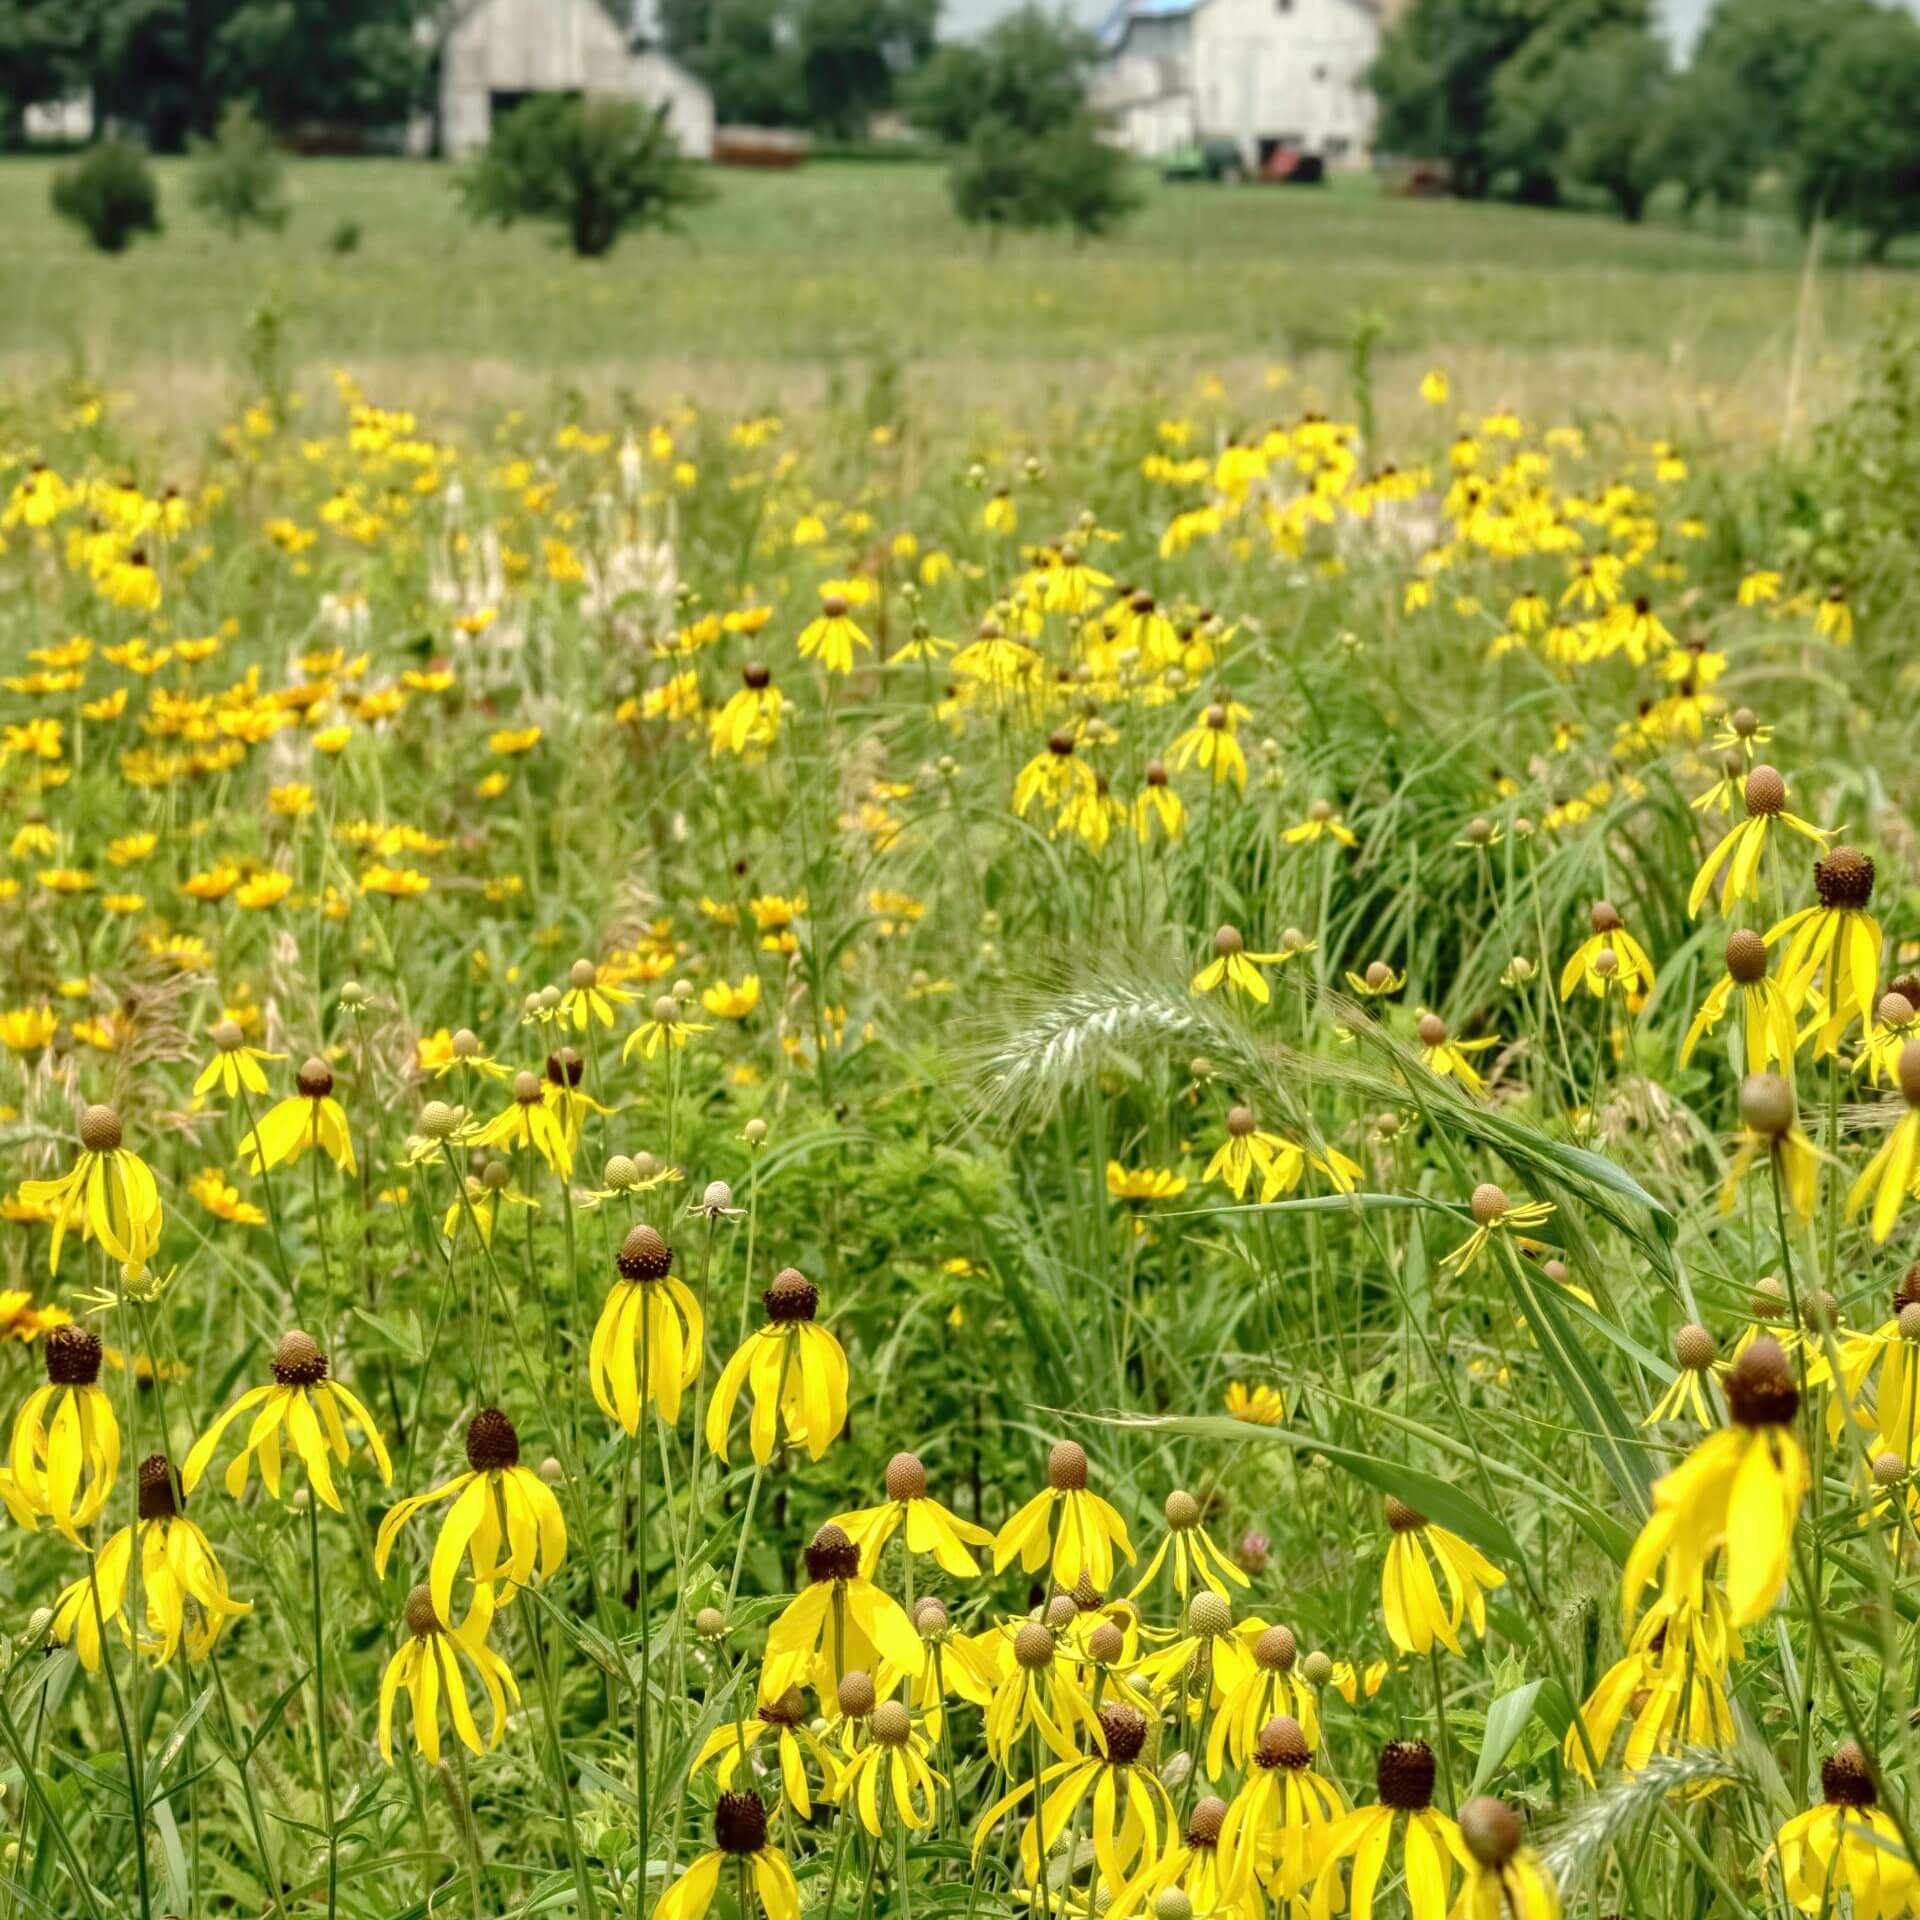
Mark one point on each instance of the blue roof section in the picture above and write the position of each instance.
(1113, 29)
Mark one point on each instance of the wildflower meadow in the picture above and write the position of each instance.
(1152, 1161)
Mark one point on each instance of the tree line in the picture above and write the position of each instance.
(1547, 101)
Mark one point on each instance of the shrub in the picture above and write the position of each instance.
(594, 167)
(1070, 177)
(345, 237)
(110, 194)
(238, 180)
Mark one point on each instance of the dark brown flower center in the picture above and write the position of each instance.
(1126, 1732)
(158, 1500)
(791, 1298)
(1405, 1776)
(492, 1444)
(740, 1824)
(1844, 878)
(298, 1361)
(644, 1256)
(831, 1555)
(73, 1357)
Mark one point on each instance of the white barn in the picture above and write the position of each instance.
(495, 53)
(1260, 73)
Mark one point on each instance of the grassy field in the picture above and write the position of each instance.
(785, 284)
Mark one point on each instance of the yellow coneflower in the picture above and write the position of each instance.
(1694, 1352)
(427, 1668)
(528, 1121)
(1270, 1683)
(893, 1763)
(1410, 1602)
(110, 1195)
(1321, 823)
(1768, 1114)
(1430, 1842)
(930, 1528)
(1847, 1846)
(66, 1442)
(504, 1516)
(1833, 948)
(833, 633)
(1259, 1405)
(1671, 1682)
(1506, 1879)
(1248, 1149)
(1277, 1823)
(740, 1838)
(1895, 1023)
(785, 1719)
(1158, 804)
(1193, 1552)
(1192, 1869)
(1493, 1213)
(666, 1026)
(1236, 968)
(1740, 849)
(648, 1314)
(1889, 1175)
(1756, 1465)
(234, 1065)
(1139, 1184)
(1767, 1012)
(1055, 775)
(590, 997)
(1893, 1349)
(1039, 1687)
(950, 1663)
(484, 1197)
(837, 1624)
(750, 719)
(796, 1371)
(1378, 979)
(314, 1412)
(1212, 744)
(1629, 970)
(1447, 1057)
(310, 1117)
(1087, 1534)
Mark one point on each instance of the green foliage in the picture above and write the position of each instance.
(1027, 72)
(594, 167)
(1859, 150)
(238, 179)
(852, 54)
(109, 193)
(44, 51)
(1071, 177)
(744, 51)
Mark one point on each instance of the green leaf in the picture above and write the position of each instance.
(1505, 1719)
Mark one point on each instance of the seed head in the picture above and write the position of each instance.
(438, 1120)
(73, 1357)
(1240, 1122)
(1604, 917)
(1276, 1650)
(1760, 1388)
(1888, 1469)
(1126, 1731)
(466, 1043)
(1229, 941)
(1820, 1310)
(1033, 1646)
(1060, 744)
(582, 975)
(931, 1618)
(740, 1819)
(1060, 1612)
(754, 1132)
(298, 1361)
(226, 1035)
(834, 605)
(1746, 956)
(492, 1444)
(1378, 974)
(791, 1298)
(1480, 830)
(1844, 879)
(1403, 1518)
(1768, 1300)
(1209, 1815)
(100, 1130)
(1606, 963)
(1086, 1596)
(644, 1255)
(1317, 1668)
(156, 1488)
(1695, 1348)
(831, 1555)
(1909, 1072)
(1208, 1614)
(315, 1078)
(565, 1068)
(1432, 1030)
(1282, 1743)
(1846, 1779)
(1767, 1105)
(755, 675)
(1172, 1903)
(1895, 1009)
(526, 1089)
(1182, 1510)
(890, 1724)
(788, 1711)
(620, 1173)
(496, 1176)
(906, 1477)
(710, 1624)
(1908, 1320)
(1488, 1204)
(717, 1198)
(1404, 1776)
(1106, 1643)
(1745, 722)
(666, 1010)
(1491, 1829)
(856, 1694)
(421, 1618)
(1067, 1467)
(1766, 791)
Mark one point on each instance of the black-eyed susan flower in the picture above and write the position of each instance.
(109, 1194)
(666, 1025)
(1694, 1352)
(1889, 1175)
(1410, 1604)
(1493, 1213)
(528, 1121)
(1506, 1879)
(784, 1721)
(1447, 1057)
(1767, 1014)
(1237, 969)
(1321, 823)
(1740, 849)
(890, 1772)
(1195, 1557)
(1738, 1491)
(1131, 1809)
(312, 1410)
(1430, 1844)
(726, 1001)
(739, 1840)
(1138, 1185)
(929, 1527)
(650, 1336)
(1847, 1845)
(427, 1668)
(1630, 970)
(310, 1117)
(1832, 956)
(795, 1370)
(833, 633)
(1259, 1404)
(234, 1065)
(839, 1623)
(1276, 1825)
(1066, 1524)
(504, 1517)
(66, 1442)
(1768, 1127)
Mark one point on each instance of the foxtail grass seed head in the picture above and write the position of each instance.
(422, 1621)
(791, 1298)
(1405, 1775)
(1844, 878)
(1695, 1348)
(73, 1357)
(157, 1495)
(1182, 1510)
(1491, 1830)
(100, 1130)
(1276, 1650)
(1767, 1105)
(1067, 1467)
(315, 1078)
(1282, 1743)
(906, 1477)
(492, 1444)
(1126, 1732)
(1401, 1517)
(1760, 1386)
(1208, 1614)
(1033, 1646)
(1846, 1779)
(1106, 1643)
(1488, 1204)
(856, 1694)
(1317, 1668)
(644, 1255)
(740, 1824)
(1746, 956)
(298, 1361)
(1766, 791)
(890, 1724)
(831, 1555)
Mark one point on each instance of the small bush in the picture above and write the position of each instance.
(110, 194)
(238, 179)
(345, 238)
(595, 167)
(1070, 177)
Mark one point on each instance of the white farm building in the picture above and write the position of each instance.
(1263, 74)
(496, 53)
